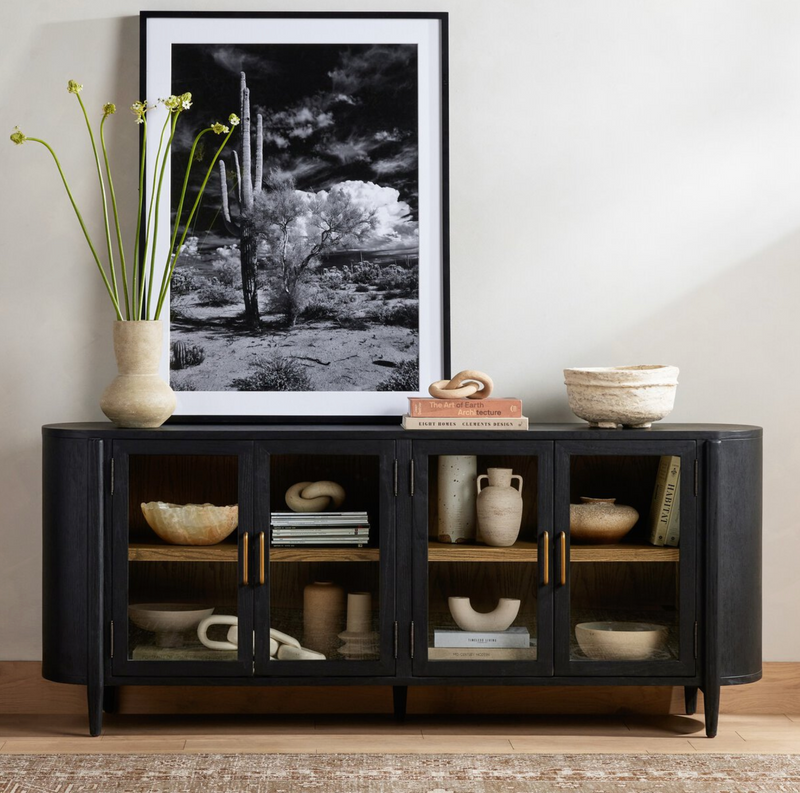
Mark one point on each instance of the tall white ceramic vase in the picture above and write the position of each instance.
(138, 397)
(456, 502)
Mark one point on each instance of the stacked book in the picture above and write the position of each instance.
(428, 413)
(320, 528)
(511, 644)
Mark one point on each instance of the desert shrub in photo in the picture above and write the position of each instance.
(216, 295)
(183, 283)
(404, 315)
(351, 322)
(183, 355)
(398, 281)
(404, 378)
(332, 278)
(274, 373)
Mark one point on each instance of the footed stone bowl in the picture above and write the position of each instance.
(634, 396)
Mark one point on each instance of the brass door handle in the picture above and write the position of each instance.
(261, 558)
(563, 539)
(245, 559)
(546, 558)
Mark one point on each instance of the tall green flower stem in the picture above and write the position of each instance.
(111, 293)
(137, 286)
(136, 306)
(174, 253)
(102, 195)
(151, 279)
(108, 110)
(148, 222)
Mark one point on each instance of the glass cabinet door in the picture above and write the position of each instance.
(325, 556)
(625, 558)
(482, 564)
(181, 514)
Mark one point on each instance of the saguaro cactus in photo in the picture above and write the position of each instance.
(249, 185)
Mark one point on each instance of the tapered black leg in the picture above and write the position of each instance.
(400, 699)
(690, 697)
(711, 705)
(111, 699)
(94, 693)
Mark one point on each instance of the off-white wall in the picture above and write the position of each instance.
(625, 188)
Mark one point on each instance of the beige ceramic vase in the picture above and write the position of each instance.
(499, 507)
(323, 615)
(138, 397)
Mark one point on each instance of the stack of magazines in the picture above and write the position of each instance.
(319, 528)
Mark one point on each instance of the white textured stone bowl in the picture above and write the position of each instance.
(620, 641)
(634, 396)
(190, 524)
(168, 620)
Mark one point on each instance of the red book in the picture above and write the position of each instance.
(428, 407)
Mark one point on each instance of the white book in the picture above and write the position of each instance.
(481, 654)
(513, 637)
(419, 423)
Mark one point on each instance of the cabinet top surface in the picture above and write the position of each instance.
(237, 431)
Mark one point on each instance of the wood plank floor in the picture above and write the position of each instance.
(67, 734)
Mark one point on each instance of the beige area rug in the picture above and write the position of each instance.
(392, 773)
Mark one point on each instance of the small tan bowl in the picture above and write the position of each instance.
(600, 521)
(620, 641)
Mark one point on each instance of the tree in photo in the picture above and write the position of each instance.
(301, 229)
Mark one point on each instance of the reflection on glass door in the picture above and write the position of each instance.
(486, 558)
(325, 552)
(183, 583)
(624, 558)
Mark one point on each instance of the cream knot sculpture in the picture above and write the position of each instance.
(314, 496)
(469, 384)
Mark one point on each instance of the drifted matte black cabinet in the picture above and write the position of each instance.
(101, 559)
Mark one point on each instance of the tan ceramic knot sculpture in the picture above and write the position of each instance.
(314, 496)
(469, 384)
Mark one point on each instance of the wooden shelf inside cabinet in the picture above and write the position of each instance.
(324, 554)
(447, 552)
(155, 552)
(622, 553)
(527, 552)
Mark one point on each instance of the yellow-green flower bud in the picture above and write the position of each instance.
(74, 88)
(18, 137)
(233, 119)
(219, 128)
(109, 108)
(172, 102)
(186, 101)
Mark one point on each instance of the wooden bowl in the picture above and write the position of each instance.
(620, 641)
(190, 524)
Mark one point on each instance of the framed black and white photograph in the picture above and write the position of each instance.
(313, 280)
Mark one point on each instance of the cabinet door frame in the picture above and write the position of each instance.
(686, 664)
(121, 664)
(385, 665)
(543, 665)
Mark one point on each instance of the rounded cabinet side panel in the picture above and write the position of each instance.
(65, 491)
(738, 500)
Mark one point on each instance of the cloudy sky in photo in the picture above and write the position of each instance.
(333, 115)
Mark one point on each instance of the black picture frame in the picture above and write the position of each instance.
(161, 31)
